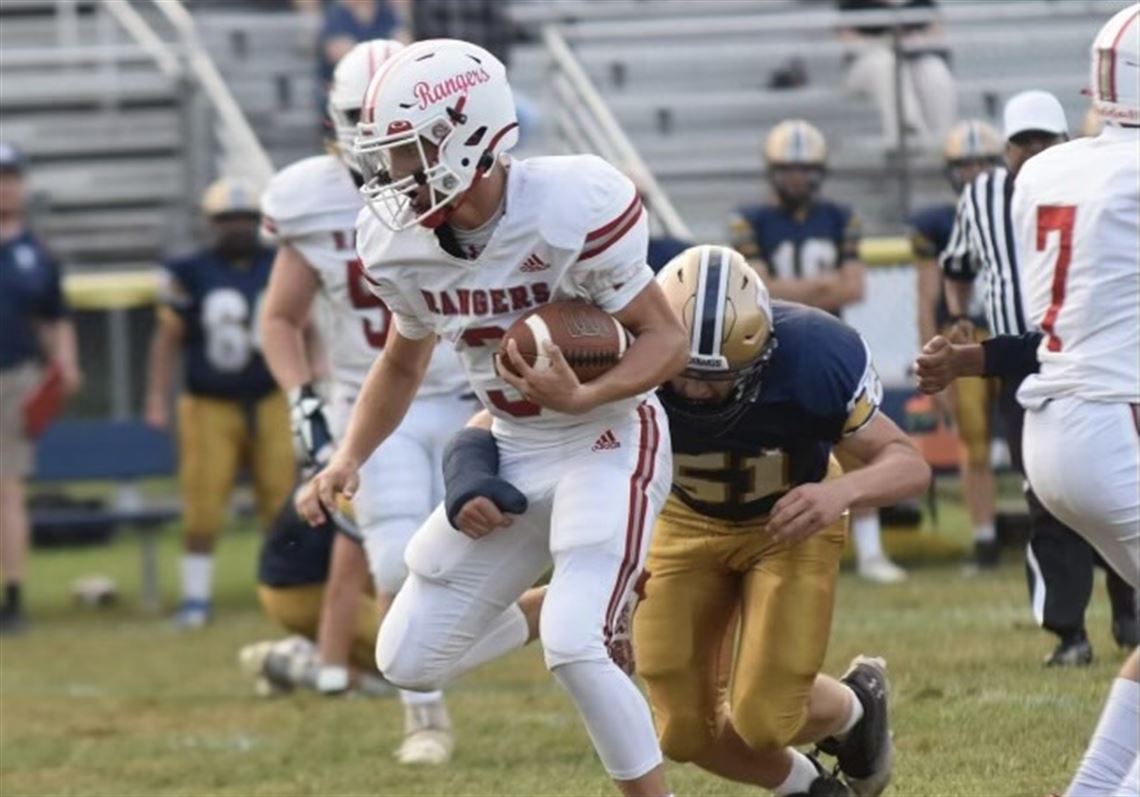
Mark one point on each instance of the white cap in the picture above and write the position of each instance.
(1034, 110)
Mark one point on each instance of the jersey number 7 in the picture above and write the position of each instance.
(1060, 219)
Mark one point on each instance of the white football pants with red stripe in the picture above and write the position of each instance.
(403, 479)
(1083, 461)
(593, 499)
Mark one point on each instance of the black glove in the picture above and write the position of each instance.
(471, 470)
(312, 440)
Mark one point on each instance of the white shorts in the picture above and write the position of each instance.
(403, 479)
(1083, 461)
(593, 499)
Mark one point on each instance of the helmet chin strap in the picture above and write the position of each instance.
(486, 163)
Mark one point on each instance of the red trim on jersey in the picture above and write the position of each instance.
(639, 482)
(1135, 417)
(1112, 56)
(617, 236)
(598, 233)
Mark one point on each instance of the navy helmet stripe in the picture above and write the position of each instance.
(710, 304)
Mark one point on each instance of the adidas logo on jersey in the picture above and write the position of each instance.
(533, 263)
(606, 442)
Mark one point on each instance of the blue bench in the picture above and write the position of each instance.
(109, 451)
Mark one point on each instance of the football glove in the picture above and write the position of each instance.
(312, 440)
(471, 470)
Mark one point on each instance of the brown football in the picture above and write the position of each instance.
(591, 340)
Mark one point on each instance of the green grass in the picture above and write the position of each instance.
(114, 702)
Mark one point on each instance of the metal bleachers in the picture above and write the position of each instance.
(103, 126)
(688, 81)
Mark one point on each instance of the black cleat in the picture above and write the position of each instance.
(1075, 651)
(987, 554)
(866, 754)
(826, 784)
(1126, 632)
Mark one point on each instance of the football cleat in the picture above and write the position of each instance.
(826, 784)
(428, 739)
(866, 753)
(1076, 651)
(192, 615)
(880, 570)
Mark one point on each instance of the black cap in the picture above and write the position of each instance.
(12, 160)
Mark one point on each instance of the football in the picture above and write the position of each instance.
(591, 340)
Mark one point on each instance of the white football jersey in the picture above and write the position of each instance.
(312, 206)
(1076, 216)
(572, 228)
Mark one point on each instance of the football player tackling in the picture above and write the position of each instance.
(460, 241)
(754, 529)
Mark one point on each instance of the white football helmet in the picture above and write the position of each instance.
(1116, 68)
(346, 93)
(452, 94)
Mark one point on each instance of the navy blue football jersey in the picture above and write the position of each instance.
(818, 387)
(219, 302)
(791, 247)
(930, 230)
(29, 292)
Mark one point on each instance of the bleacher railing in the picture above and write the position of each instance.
(584, 123)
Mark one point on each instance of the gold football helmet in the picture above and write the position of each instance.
(231, 195)
(795, 142)
(971, 147)
(727, 313)
(795, 153)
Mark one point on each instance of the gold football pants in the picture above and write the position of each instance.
(215, 437)
(298, 609)
(702, 571)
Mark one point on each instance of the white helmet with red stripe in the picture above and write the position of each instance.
(1116, 67)
(454, 96)
(350, 80)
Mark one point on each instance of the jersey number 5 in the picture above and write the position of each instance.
(1060, 219)
(364, 299)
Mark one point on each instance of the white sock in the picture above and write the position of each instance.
(801, 776)
(332, 678)
(985, 532)
(855, 712)
(866, 533)
(1131, 785)
(1112, 751)
(616, 716)
(410, 698)
(197, 576)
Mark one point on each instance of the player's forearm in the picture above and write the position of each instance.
(57, 339)
(283, 344)
(826, 293)
(656, 356)
(929, 282)
(161, 361)
(958, 294)
(896, 472)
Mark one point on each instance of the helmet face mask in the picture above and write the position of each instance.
(796, 184)
(435, 120)
(971, 147)
(1115, 68)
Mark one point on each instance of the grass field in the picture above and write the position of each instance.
(114, 702)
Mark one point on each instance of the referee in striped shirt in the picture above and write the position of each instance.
(1059, 563)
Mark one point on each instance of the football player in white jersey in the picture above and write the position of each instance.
(1076, 214)
(310, 209)
(460, 241)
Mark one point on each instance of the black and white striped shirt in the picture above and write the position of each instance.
(982, 241)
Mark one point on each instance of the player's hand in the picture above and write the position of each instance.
(157, 414)
(339, 477)
(935, 366)
(479, 517)
(555, 387)
(807, 509)
(961, 331)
